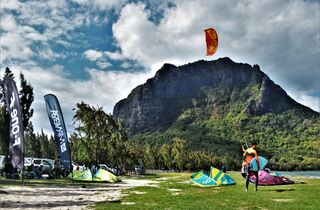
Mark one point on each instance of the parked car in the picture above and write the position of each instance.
(48, 164)
(139, 170)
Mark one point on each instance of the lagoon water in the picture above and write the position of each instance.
(311, 174)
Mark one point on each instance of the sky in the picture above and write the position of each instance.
(97, 51)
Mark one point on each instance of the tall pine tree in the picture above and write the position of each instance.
(26, 99)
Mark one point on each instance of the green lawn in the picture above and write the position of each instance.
(176, 192)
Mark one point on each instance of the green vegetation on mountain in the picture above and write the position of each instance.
(288, 140)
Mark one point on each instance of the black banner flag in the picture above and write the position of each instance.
(15, 123)
(59, 129)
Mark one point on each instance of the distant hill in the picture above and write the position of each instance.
(219, 105)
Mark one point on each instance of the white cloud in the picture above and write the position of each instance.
(48, 54)
(101, 4)
(15, 46)
(102, 88)
(92, 55)
(114, 55)
(303, 98)
(37, 23)
(10, 4)
(125, 65)
(8, 23)
(102, 64)
(99, 57)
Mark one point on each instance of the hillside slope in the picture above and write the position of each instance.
(219, 105)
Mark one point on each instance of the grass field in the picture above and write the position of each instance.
(174, 191)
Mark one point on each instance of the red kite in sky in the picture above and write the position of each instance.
(211, 40)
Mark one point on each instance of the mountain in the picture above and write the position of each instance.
(218, 106)
(156, 105)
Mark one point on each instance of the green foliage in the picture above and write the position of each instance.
(98, 137)
(290, 139)
(26, 99)
(4, 134)
(179, 153)
(39, 145)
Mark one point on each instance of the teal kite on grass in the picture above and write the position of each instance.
(216, 178)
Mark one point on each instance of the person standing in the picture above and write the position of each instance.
(223, 168)
(249, 155)
(57, 168)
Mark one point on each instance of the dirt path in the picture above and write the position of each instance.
(65, 197)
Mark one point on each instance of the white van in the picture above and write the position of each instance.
(46, 163)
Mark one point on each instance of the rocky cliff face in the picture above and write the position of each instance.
(207, 85)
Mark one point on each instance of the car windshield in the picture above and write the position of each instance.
(37, 161)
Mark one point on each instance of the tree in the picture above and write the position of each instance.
(4, 135)
(26, 99)
(30, 141)
(179, 149)
(135, 154)
(117, 147)
(165, 156)
(149, 160)
(98, 137)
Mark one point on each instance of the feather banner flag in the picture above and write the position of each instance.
(15, 123)
(211, 40)
(59, 129)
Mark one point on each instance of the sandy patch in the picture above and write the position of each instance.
(162, 179)
(283, 200)
(185, 182)
(128, 203)
(71, 197)
(138, 192)
(174, 190)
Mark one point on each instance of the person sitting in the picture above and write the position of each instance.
(31, 174)
(38, 170)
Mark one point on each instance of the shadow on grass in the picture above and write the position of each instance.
(280, 190)
(3, 192)
(55, 183)
(111, 201)
(145, 176)
(54, 193)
